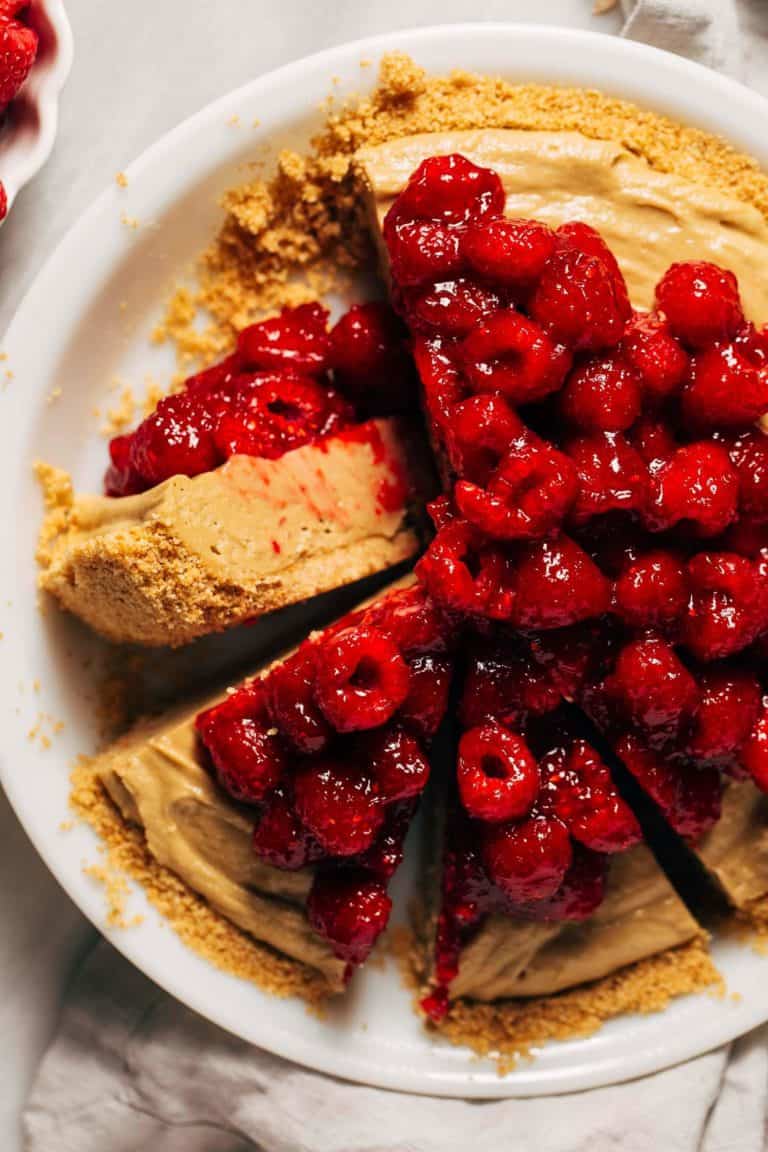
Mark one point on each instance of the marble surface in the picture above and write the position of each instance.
(139, 69)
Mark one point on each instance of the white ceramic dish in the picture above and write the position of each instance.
(27, 138)
(96, 300)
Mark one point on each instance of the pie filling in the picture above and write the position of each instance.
(600, 552)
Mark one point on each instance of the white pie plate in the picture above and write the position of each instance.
(84, 322)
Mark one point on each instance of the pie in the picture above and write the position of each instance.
(579, 665)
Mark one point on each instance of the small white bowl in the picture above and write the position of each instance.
(27, 136)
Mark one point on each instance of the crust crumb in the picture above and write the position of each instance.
(201, 928)
(509, 1030)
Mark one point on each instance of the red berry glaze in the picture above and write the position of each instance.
(280, 839)
(508, 252)
(397, 762)
(690, 797)
(653, 688)
(727, 712)
(726, 388)
(652, 590)
(612, 477)
(728, 605)
(656, 356)
(18, 50)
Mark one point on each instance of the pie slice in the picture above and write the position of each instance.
(257, 486)
(285, 804)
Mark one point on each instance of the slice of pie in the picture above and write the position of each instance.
(262, 483)
(285, 804)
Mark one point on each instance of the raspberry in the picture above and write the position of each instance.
(222, 379)
(176, 439)
(248, 756)
(701, 303)
(369, 359)
(398, 763)
(753, 754)
(580, 893)
(443, 384)
(412, 621)
(697, 486)
(653, 441)
(480, 432)
(654, 353)
(727, 610)
(581, 237)
(725, 389)
(18, 49)
(689, 797)
(749, 456)
(280, 838)
(728, 709)
(652, 590)
(505, 684)
(4, 206)
(449, 190)
(248, 702)
(570, 656)
(509, 252)
(421, 251)
(292, 702)
(510, 354)
(350, 909)
(528, 496)
(362, 679)
(450, 307)
(528, 860)
(497, 776)
(120, 479)
(278, 412)
(427, 699)
(297, 339)
(579, 789)
(463, 575)
(385, 855)
(557, 584)
(653, 688)
(612, 476)
(339, 804)
(601, 395)
(577, 301)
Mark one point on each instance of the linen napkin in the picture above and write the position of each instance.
(133, 1070)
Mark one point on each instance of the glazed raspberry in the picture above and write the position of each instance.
(509, 252)
(701, 303)
(276, 413)
(412, 620)
(528, 860)
(450, 307)
(528, 496)
(427, 699)
(728, 709)
(753, 754)
(463, 575)
(248, 702)
(510, 354)
(292, 704)
(577, 301)
(749, 456)
(497, 775)
(18, 49)
(362, 679)
(580, 893)
(690, 797)
(280, 838)
(581, 237)
(557, 584)
(397, 762)
(727, 610)
(350, 909)
(297, 339)
(698, 487)
(657, 357)
(443, 385)
(369, 359)
(725, 389)
(3, 201)
(652, 590)
(748, 537)
(653, 441)
(612, 476)
(505, 683)
(480, 432)
(580, 791)
(601, 395)
(120, 479)
(421, 251)
(653, 688)
(339, 803)
(571, 656)
(176, 439)
(386, 854)
(247, 754)
(450, 190)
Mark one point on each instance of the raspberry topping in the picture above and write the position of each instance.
(557, 584)
(369, 359)
(611, 476)
(725, 389)
(727, 712)
(690, 797)
(397, 762)
(509, 252)
(657, 357)
(449, 190)
(297, 339)
(247, 754)
(583, 795)
(529, 860)
(497, 775)
(467, 578)
(653, 688)
(18, 49)
(362, 679)
(728, 605)
(280, 838)
(753, 754)
(697, 486)
(602, 395)
(578, 302)
(511, 355)
(652, 590)
(350, 909)
(339, 803)
(701, 303)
